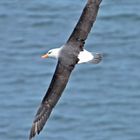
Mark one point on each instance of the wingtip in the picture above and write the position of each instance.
(33, 132)
(30, 137)
(98, 2)
(41, 117)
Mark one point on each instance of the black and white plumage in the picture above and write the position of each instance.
(68, 56)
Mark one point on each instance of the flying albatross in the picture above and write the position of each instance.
(68, 56)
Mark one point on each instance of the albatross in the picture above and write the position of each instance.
(83, 57)
(68, 55)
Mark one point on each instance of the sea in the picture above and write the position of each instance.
(101, 101)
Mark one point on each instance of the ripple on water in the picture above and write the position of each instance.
(100, 101)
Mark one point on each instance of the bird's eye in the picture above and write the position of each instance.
(49, 52)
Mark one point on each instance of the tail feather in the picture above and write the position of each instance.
(97, 58)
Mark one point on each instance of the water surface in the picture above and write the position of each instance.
(101, 102)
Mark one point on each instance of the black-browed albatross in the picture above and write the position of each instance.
(68, 56)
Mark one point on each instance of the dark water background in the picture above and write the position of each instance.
(101, 102)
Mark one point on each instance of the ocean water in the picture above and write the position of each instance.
(101, 102)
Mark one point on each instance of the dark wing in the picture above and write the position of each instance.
(66, 63)
(58, 83)
(85, 23)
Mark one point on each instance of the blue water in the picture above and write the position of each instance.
(101, 102)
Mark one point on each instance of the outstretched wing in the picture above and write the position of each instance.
(85, 23)
(65, 65)
(58, 83)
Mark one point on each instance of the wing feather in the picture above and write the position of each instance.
(65, 65)
(58, 83)
(85, 23)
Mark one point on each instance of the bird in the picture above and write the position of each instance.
(84, 56)
(68, 55)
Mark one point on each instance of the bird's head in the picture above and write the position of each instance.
(53, 53)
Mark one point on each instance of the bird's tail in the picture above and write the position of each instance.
(97, 58)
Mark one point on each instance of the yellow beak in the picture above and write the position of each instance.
(45, 56)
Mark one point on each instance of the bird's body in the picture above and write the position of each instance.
(68, 56)
(83, 57)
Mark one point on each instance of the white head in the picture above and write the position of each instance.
(53, 53)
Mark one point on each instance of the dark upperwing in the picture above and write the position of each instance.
(85, 23)
(65, 65)
(58, 83)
